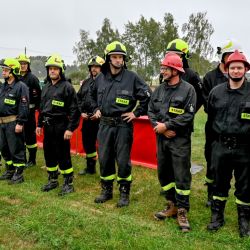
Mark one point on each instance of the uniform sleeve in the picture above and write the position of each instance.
(210, 111)
(72, 108)
(185, 119)
(79, 98)
(152, 111)
(40, 121)
(36, 92)
(143, 93)
(93, 96)
(206, 88)
(197, 84)
(23, 107)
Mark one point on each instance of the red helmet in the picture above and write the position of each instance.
(237, 57)
(174, 61)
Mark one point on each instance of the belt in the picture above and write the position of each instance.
(7, 119)
(31, 106)
(233, 141)
(53, 120)
(114, 121)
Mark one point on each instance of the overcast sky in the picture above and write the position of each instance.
(48, 26)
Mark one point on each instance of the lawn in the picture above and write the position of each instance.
(30, 219)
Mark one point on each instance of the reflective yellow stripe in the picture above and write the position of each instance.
(9, 162)
(52, 169)
(245, 116)
(182, 192)
(122, 101)
(67, 171)
(18, 165)
(176, 111)
(57, 103)
(31, 146)
(207, 180)
(108, 178)
(169, 186)
(91, 155)
(219, 198)
(124, 179)
(237, 201)
(9, 101)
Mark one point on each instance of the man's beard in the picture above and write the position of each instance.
(236, 79)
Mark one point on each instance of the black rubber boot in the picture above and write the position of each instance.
(209, 194)
(217, 218)
(124, 194)
(106, 193)
(52, 182)
(7, 175)
(90, 169)
(67, 185)
(32, 157)
(17, 177)
(244, 220)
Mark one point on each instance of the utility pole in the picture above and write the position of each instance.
(25, 50)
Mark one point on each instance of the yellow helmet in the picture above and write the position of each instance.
(12, 64)
(56, 61)
(178, 46)
(96, 60)
(23, 58)
(115, 48)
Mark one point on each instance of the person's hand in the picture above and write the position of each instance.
(84, 116)
(18, 128)
(128, 117)
(68, 135)
(97, 115)
(39, 131)
(160, 128)
(170, 133)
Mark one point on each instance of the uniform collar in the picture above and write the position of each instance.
(117, 77)
(241, 90)
(57, 84)
(10, 85)
(167, 86)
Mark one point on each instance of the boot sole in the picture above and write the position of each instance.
(102, 201)
(215, 229)
(15, 182)
(165, 217)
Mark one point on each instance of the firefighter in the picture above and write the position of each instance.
(228, 116)
(210, 80)
(32, 83)
(59, 116)
(117, 91)
(181, 48)
(90, 125)
(171, 112)
(14, 111)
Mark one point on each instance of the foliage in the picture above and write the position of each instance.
(146, 41)
(197, 33)
(87, 48)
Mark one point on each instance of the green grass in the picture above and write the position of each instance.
(30, 219)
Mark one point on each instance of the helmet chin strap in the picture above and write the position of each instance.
(115, 66)
(236, 79)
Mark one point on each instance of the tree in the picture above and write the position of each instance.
(82, 48)
(87, 48)
(197, 33)
(169, 32)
